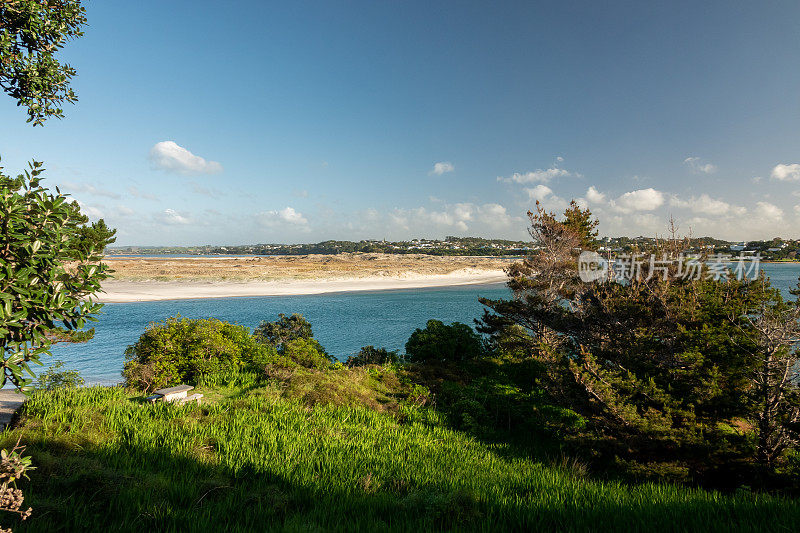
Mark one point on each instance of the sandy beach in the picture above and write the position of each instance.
(145, 291)
(141, 280)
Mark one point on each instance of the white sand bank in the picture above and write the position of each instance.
(148, 291)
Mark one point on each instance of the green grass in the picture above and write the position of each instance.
(253, 460)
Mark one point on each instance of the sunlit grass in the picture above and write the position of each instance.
(253, 460)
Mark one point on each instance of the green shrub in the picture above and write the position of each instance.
(369, 355)
(285, 329)
(182, 350)
(439, 342)
(291, 337)
(55, 378)
(306, 352)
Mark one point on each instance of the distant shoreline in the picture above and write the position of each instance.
(151, 291)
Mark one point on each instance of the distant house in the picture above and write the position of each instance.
(738, 247)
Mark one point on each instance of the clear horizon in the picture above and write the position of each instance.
(311, 122)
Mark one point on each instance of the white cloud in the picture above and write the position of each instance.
(88, 188)
(698, 166)
(173, 218)
(136, 193)
(170, 157)
(540, 175)
(797, 209)
(710, 206)
(205, 191)
(540, 192)
(287, 215)
(463, 217)
(639, 200)
(594, 196)
(768, 211)
(463, 211)
(675, 201)
(789, 172)
(124, 211)
(90, 211)
(495, 216)
(632, 223)
(442, 167)
(546, 198)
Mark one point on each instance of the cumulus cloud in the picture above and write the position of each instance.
(784, 172)
(698, 166)
(539, 175)
(170, 157)
(546, 198)
(124, 211)
(462, 217)
(442, 167)
(768, 211)
(286, 216)
(173, 218)
(707, 205)
(594, 196)
(540, 192)
(639, 200)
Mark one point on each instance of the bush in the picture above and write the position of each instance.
(369, 355)
(306, 352)
(285, 329)
(55, 378)
(292, 339)
(442, 343)
(182, 350)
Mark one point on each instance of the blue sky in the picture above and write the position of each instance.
(245, 122)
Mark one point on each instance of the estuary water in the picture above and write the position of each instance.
(343, 322)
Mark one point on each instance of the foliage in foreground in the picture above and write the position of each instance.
(31, 33)
(664, 368)
(50, 266)
(13, 467)
(257, 461)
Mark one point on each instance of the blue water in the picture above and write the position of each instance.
(343, 323)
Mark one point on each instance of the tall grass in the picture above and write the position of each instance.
(257, 461)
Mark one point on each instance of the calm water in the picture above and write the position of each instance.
(343, 323)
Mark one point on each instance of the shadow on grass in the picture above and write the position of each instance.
(135, 488)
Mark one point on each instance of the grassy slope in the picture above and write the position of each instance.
(256, 461)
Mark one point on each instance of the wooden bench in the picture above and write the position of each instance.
(175, 394)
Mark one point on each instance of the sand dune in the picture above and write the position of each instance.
(139, 280)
